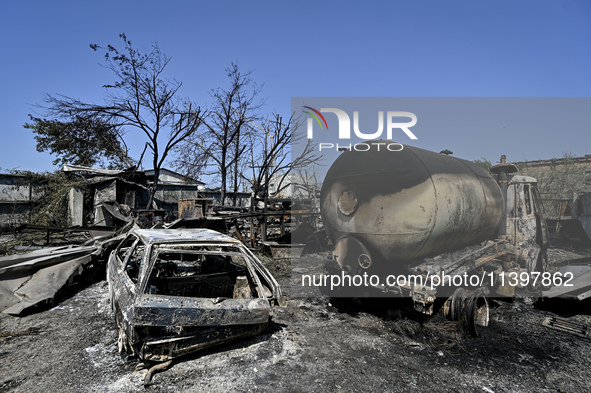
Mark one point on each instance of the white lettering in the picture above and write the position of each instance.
(403, 126)
(344, 122)
(395, 144)
(357, 147)
(368, 136)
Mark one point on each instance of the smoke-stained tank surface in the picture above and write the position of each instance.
(397, 206)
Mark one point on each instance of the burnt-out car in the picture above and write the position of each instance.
(175, 291)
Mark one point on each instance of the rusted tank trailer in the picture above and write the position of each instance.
(409, 204)
(389, 212)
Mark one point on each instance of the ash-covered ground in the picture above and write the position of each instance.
(313, 345)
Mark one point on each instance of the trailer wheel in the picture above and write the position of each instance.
(469, 307)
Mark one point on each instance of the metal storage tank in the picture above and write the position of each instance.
(401, 205)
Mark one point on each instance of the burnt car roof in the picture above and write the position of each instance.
(175, 235)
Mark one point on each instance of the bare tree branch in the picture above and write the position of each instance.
(139, 98)
(223, 144)
(275, 162)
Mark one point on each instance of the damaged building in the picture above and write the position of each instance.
(17, 196)
(116, 193)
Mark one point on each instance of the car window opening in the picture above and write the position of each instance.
(200, 273)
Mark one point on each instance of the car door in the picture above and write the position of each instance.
(124, 268)
(266, 278)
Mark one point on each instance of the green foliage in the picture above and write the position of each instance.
(80, 141)
(483, 162)
(50, 191)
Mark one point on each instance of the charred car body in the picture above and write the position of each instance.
(177, 291)
(428, 214)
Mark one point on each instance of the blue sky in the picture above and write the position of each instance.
(307, 49)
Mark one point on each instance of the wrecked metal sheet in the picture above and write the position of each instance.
(579, 287)
(18, 258)
(43, 260)
(106, 192)
(35, 277)
(79, 168)
(113, 209)
(41, 286)
(28, 279)
(8, 286)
